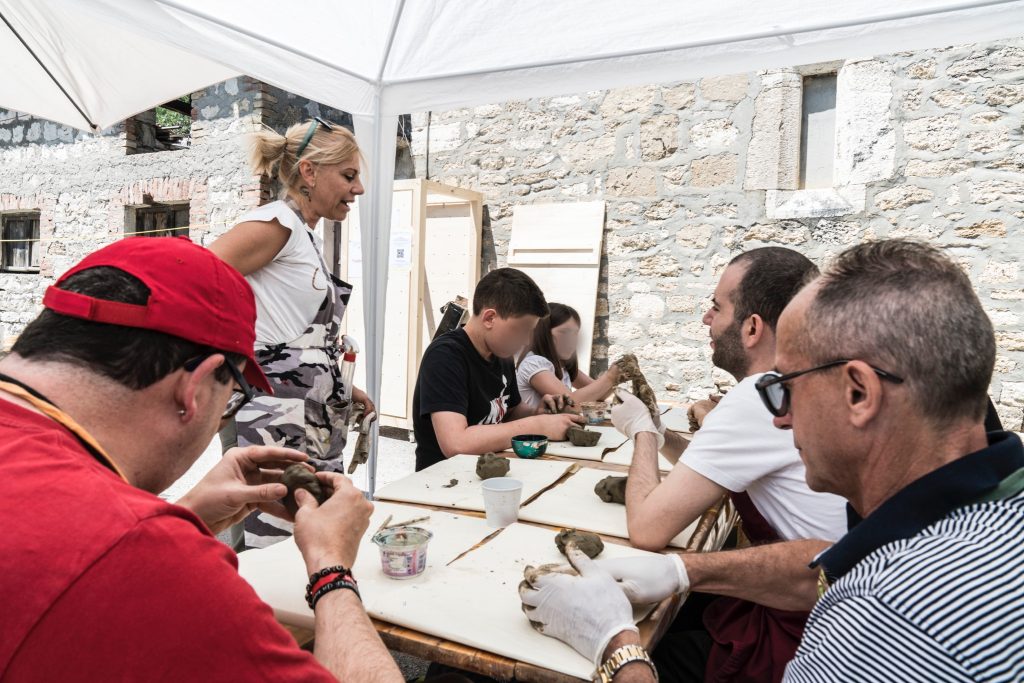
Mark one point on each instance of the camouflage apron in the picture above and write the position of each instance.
(308, 411)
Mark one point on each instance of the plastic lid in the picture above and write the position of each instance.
(350, 356)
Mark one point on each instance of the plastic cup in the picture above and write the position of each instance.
(501, 500)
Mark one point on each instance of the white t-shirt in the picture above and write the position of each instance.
(289, 289)
(740, 449)
(530, 366)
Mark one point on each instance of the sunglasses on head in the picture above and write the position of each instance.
(309, 134)
(774, 391)
(242, 394)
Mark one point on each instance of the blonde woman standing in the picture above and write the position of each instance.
(299, 302)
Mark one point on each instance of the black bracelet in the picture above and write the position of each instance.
(316, 576)
(333, 585)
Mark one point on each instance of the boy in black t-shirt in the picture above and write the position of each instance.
(466, 398)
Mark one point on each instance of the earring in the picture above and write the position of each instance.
(181, 412)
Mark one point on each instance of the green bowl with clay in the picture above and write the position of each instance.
(529, 446)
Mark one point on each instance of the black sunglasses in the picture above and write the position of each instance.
(309, 134)
(239, 397)
(775, 394)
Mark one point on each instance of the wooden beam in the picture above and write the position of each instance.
(184, 108)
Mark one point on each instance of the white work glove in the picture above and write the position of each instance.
(632, 417)
(647, 580)
(584, 611)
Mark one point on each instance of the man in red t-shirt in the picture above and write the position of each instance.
(106, 399)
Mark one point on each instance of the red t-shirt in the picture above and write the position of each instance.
(100, 581)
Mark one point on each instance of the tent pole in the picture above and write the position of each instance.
(377, 138)
(85, 117)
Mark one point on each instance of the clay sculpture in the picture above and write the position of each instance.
(296, 477)
(579, 436)
(612, 490)
(490, 465)
(629, 371)
(590, 544)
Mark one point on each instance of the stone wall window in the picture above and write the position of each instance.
(818, 131)
(820, 134)
(157, 220)
(160, 129)
(20, 235)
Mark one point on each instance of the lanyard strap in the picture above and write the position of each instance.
(26, 393)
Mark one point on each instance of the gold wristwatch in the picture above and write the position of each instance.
(627, 654)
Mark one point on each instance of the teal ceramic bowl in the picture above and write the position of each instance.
(529, 445)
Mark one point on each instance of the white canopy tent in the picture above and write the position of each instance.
(92, 63)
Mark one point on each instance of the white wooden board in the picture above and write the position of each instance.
(559, 246)
(623, 455)
(610, 438)
(475, 601)
(278, 573)
(676, 420)
(430, 486)
(573, 503)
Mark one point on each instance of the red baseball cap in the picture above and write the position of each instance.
(193, 295)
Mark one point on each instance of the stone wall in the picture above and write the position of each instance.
(81, 183)
(928, 145)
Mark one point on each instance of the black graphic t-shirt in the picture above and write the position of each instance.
(455, 378)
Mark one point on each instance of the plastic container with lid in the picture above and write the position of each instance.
(403, 551)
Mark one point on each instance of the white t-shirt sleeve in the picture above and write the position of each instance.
(531, 365)
(738, 444)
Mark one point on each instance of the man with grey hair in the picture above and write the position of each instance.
(882, 369)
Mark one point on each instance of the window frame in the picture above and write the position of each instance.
(32, 241)
(138, 213)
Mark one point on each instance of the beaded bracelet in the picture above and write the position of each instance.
(316, 576)
(328, 587)
(328, 579)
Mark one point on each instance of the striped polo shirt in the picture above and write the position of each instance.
(929, 587)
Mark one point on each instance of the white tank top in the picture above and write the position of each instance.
(289, 289)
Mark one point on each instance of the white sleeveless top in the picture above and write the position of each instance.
(289, 289)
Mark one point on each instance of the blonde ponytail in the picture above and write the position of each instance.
(271, 153)
(266, 151)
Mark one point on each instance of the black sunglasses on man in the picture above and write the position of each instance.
(774, 392)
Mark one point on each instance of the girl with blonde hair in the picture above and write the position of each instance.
(299, 302)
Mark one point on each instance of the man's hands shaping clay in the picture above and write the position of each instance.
(585, 611)
(632, 417)
(245, 479)
(329, 534)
